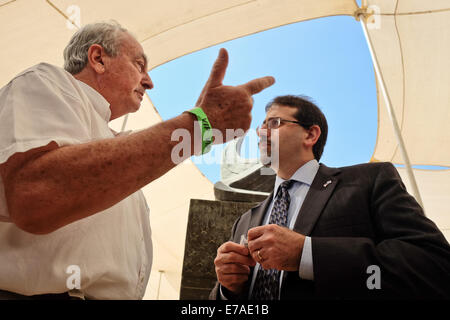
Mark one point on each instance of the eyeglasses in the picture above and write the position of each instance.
(275, 123)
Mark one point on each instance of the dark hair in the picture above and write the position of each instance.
(307, 113)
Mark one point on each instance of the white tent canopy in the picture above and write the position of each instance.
(413, 48)
(435, 201)
(412, 45)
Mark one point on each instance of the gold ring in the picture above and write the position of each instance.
(259, 256)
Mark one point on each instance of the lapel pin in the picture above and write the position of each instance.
(326, 183)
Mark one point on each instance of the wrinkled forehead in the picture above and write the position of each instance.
(131, 47)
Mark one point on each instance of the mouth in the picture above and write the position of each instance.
(265, 151)
(264, 144)
(140, 94)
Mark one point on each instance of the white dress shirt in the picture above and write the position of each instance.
(113, 248)
(303, 179)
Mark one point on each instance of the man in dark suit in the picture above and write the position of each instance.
(327, 233)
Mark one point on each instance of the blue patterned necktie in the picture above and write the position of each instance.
(267, 282)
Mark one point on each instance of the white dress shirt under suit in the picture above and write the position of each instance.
(303, 179)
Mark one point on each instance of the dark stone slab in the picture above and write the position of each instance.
(257, 181)
(222, 192)
(209, 226)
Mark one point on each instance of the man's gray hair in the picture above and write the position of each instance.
(105, 34)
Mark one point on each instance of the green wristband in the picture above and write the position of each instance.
(206, 129)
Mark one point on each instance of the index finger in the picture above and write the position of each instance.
(257, 85)
(255, 233)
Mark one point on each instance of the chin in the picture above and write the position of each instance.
(134, 108)
(265, 160)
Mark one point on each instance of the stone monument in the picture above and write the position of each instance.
(245, 183)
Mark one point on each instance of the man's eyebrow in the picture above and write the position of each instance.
(144, 57)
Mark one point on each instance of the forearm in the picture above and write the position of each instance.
(74, 182)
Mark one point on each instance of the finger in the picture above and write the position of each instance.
(233, 247)
(256, 232)
(233, 268)
(266, 265)
(256, 257)
(218, 70)
(232, 281)
(233, 258)
(258, 85)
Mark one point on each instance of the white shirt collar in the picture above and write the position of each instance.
(100, 104)
(304, 174)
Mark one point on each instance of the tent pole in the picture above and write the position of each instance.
(124, 123)
(159, 283)
(391, 112)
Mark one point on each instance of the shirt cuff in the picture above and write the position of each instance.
(305, 270)
(222, 296)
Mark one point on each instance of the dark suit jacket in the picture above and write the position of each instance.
(363, 217)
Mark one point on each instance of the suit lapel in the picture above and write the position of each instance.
(259, 211)
(320, 191)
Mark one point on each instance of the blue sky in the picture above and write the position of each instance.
(326, 59)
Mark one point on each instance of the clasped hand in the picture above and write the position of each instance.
(279, 247)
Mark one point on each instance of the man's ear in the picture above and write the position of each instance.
(312, 135)
(96, 54)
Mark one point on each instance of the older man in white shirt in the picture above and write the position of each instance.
(70, 187)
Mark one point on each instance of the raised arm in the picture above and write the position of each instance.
(53, 186)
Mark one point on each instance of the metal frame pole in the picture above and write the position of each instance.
(124, 123)
(387, 100)
(159, 283)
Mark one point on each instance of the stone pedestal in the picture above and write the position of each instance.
(209, 226)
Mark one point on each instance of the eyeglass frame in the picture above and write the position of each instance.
(280, 120)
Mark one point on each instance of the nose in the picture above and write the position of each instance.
(262, 131)
(146, 82)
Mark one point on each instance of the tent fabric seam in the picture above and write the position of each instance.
(414, 13)
(197, 18)
(403, 81)
(62, 13)
(6, 3)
